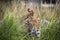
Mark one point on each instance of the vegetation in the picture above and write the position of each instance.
(13, 27)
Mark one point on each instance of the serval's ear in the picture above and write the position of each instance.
(28, 9)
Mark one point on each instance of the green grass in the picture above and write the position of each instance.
(12, 29)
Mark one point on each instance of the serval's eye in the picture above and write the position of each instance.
(37, 30)
(38, 33)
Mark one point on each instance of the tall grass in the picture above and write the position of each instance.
(11, 29)
(52, 31)
(8, 29)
